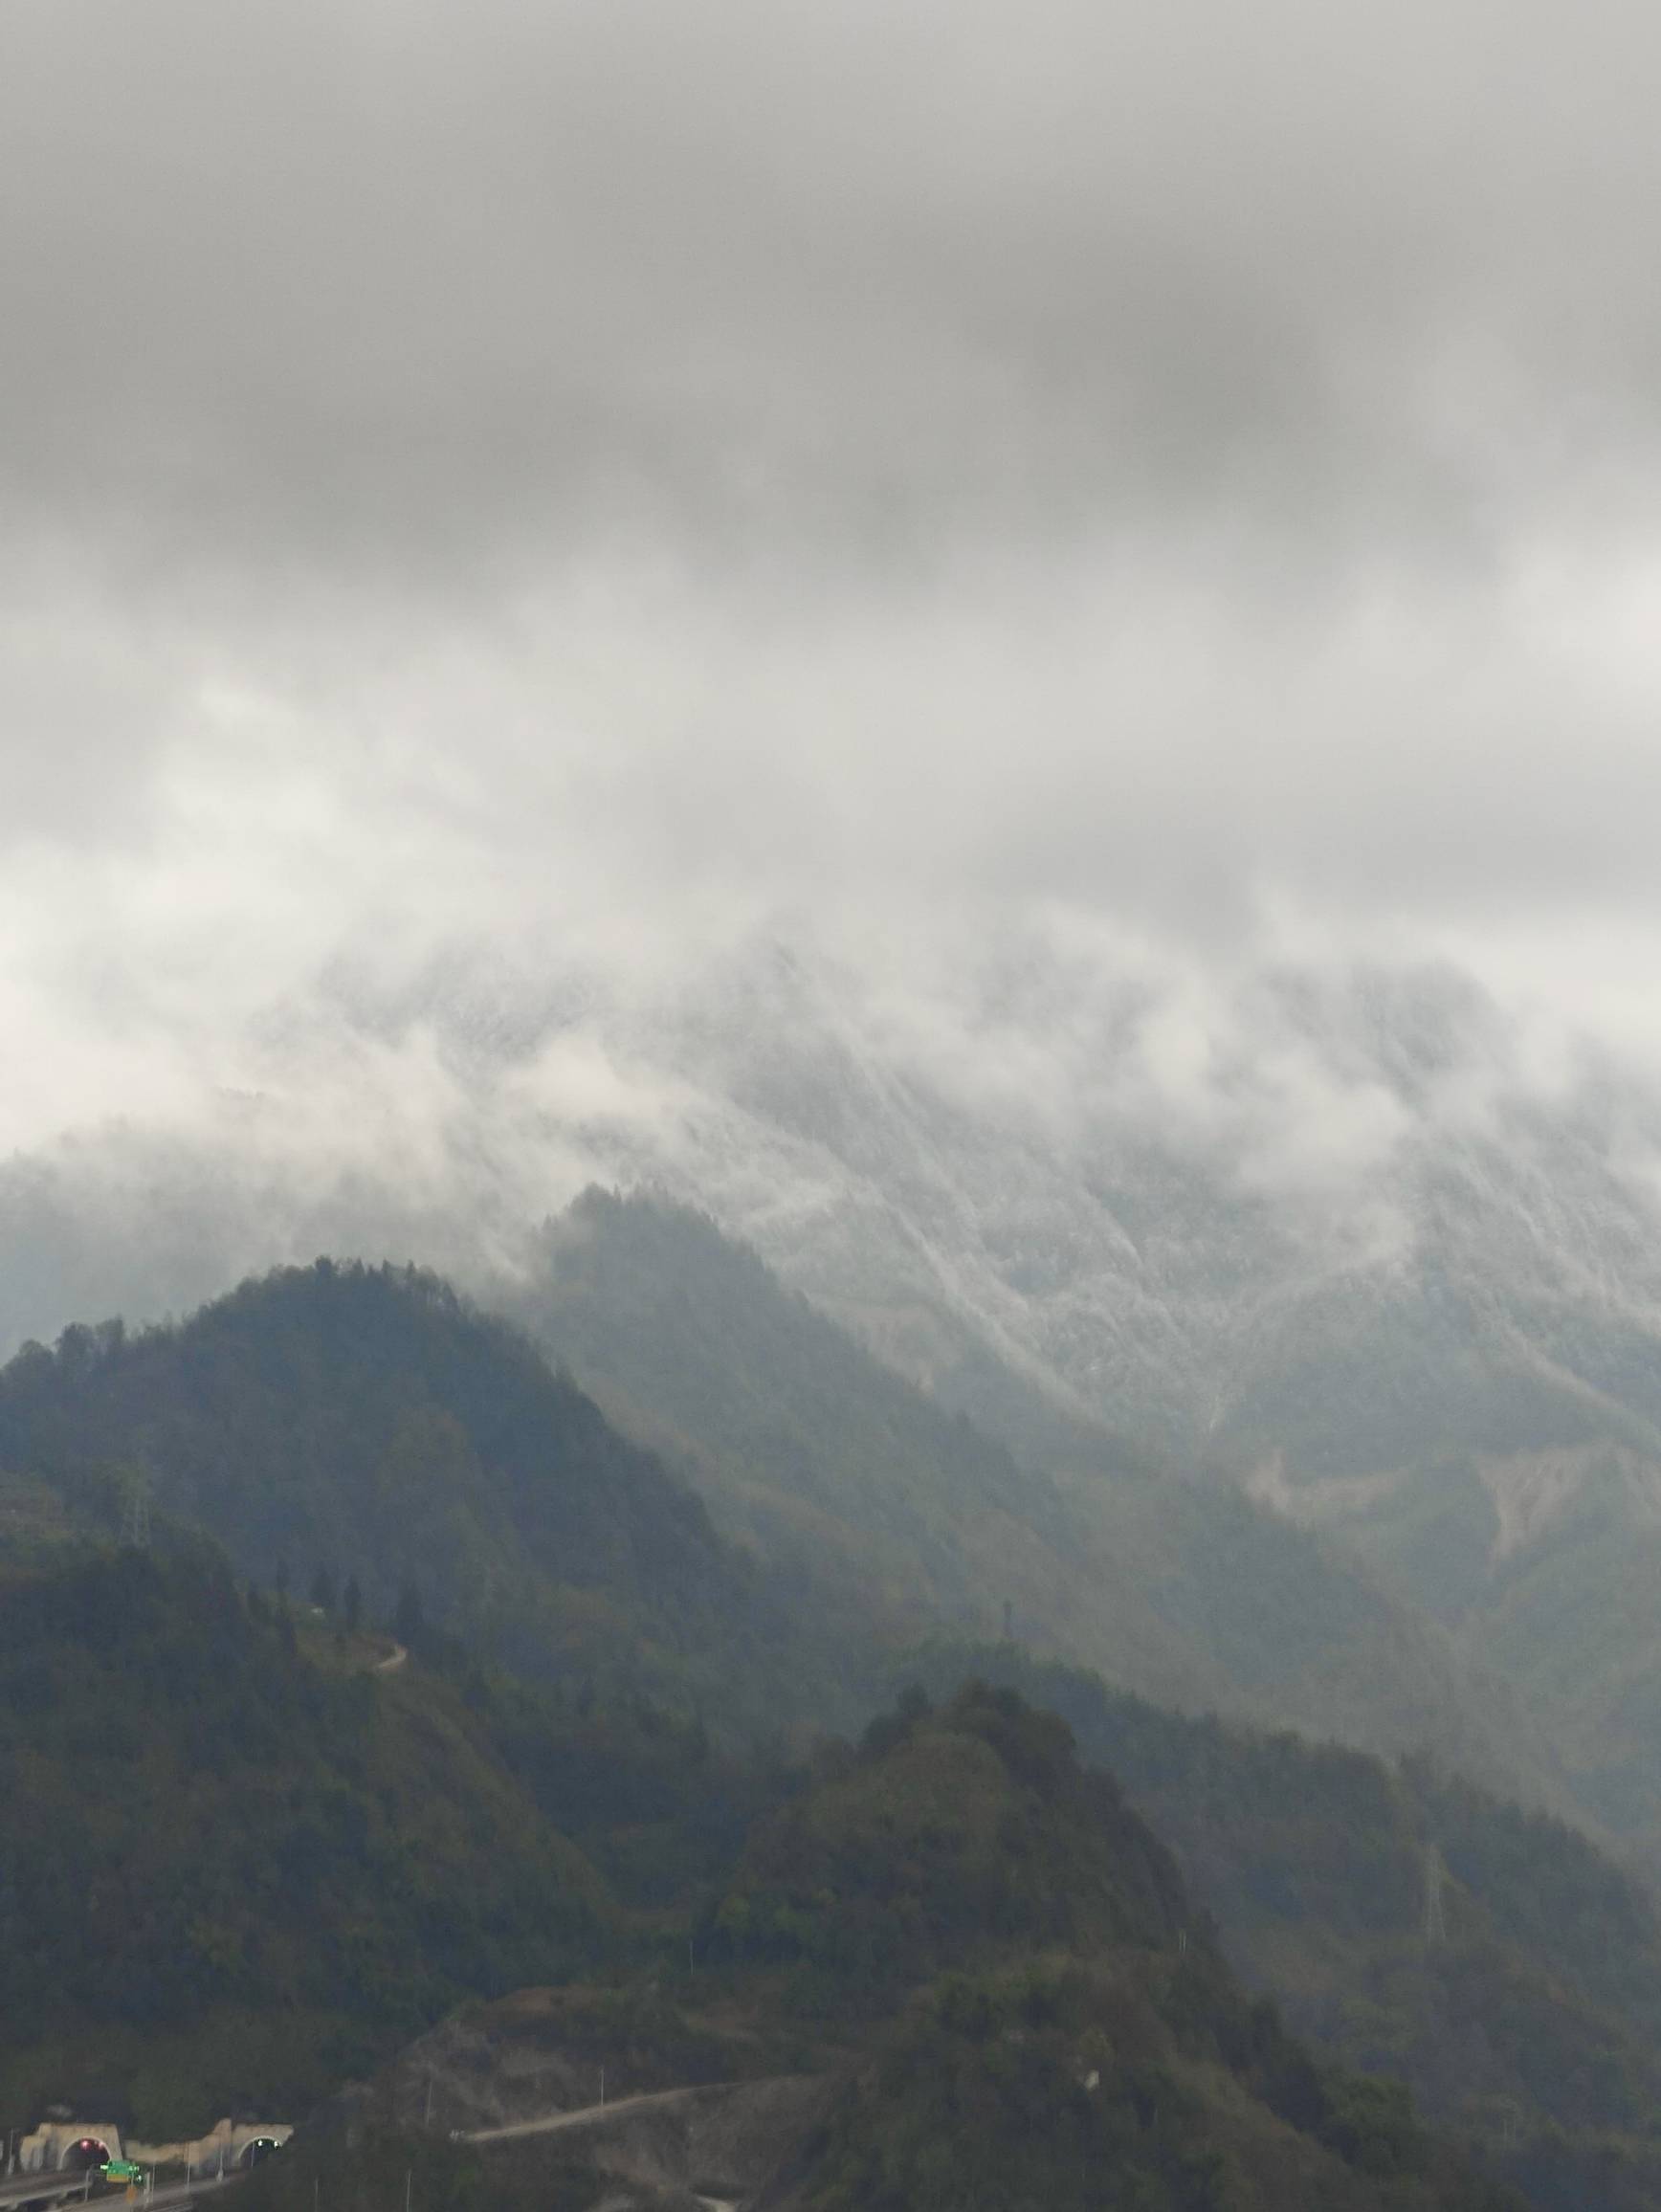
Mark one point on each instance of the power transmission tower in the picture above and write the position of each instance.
(136, 1515)
(1435, 1882)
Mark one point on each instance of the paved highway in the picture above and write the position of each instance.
(19, 2188)
(33, 2188)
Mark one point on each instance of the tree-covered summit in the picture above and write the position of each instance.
(370, 1423)
(1044, 2019)
(948, 1837)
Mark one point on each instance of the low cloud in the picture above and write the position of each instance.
(511, 514)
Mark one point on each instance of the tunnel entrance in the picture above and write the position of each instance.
(81, 2157)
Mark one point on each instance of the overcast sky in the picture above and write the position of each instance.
(603, 472)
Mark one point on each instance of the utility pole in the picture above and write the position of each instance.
(428, 2121)
(409, 2178)
(602, 2085)
(136, 1515)
(1435, 1881)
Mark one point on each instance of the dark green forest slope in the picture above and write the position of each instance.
(370, 1424)
(244, 1849)
(1408, 1924)
(242, 1854)
(1061, 2029)
(1017, 2003)
(235, 1861)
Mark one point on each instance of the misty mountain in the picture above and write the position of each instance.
(369, 1425)
(843, 1472)
(1351, 1230)
(1354, 1239)
(1325, 1221)
(788, 1506)
(1363, 1244)
(897, 1516)
(1545, 1563)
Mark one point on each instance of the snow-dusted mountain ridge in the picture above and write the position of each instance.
(1327, 1221)
(1334, 1222)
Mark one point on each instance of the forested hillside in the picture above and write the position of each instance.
(369, 1425)
(1061, 2029)
(1408, 1924)
(233, 1860)
(1544, 1562)
(842, 1471)
(995, 1969)
(245, 1849)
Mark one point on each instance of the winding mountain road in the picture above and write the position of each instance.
(554, 2123)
